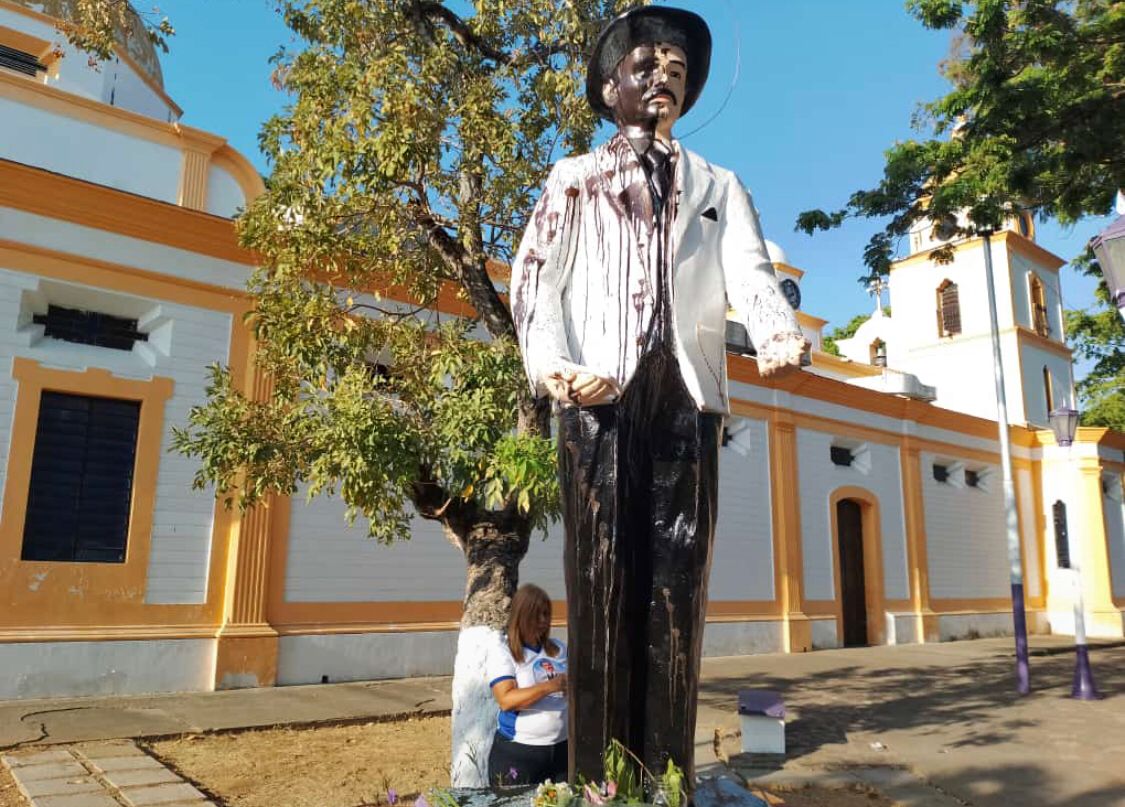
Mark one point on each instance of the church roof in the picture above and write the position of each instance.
(135, 41)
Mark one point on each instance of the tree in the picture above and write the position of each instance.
(99, 27)
(1098, 335)
(403, 171)
(1037, 118)
(1037, 114)
(828, 344)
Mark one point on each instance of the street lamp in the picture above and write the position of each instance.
(1011, 516)
(1064, 423)
(1109, 247)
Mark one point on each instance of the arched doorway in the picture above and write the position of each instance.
(853, 583)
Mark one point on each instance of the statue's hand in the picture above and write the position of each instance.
(780, 352)
(580, 387)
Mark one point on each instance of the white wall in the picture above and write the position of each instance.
(952, 627)
(364, 656)
(74, 148)
(1115, 530)
(224, 194)
(332, 562)
(965, 531)
(106, 80)
(742, 566)
(1021, 270)
(947, 365)
(1034, 359)
(183, 341)
(877, 470)
(75, 669)
(125, 88)
(329, 561)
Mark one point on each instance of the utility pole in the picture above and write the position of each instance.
(1015, 568)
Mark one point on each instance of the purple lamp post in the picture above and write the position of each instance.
(1064, 423)
(1109, 247)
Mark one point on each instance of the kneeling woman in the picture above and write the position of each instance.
(527, 674)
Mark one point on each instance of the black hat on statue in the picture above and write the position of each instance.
(643, 26)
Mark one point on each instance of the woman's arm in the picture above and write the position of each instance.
(512, 698)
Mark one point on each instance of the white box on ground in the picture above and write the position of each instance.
(762, 735)
(762, 713)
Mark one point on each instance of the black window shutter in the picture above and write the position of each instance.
(89, 328)
(19, 61)
(81, 479)
(1062, 541)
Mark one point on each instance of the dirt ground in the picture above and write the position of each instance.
(10, 795)
(354, 766)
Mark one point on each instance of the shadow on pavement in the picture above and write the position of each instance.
(970, 705)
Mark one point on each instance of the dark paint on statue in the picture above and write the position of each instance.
(640, 484)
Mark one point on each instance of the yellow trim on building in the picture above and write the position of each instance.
(1013, 240)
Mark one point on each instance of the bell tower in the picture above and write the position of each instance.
(942, 329)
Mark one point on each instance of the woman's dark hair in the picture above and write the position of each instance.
(525, 620)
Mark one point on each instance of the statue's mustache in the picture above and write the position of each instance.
(660, 90)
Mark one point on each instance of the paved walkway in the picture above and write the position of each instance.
(928, 724)
(108, 774)
(947, 712)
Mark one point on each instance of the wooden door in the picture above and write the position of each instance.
(853, 590)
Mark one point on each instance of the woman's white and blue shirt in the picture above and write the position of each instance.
(544, 722)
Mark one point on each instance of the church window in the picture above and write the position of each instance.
(1048, 390)
(90, 328)
(878, 352)
(1025, 225)
(1062, 541)
(19, 61)
(948, 309)
(842, 456)
(80, 495)
(1039, 306)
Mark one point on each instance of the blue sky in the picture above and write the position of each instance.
(824, 87)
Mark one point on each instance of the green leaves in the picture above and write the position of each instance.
(1097, 335)
(403, 170)
(1037, 117)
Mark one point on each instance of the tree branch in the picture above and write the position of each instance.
(428, 10)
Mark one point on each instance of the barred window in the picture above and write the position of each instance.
(948, 309)
(1039, 307)
(1062, 539)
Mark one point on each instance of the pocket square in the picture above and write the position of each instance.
(711, 213)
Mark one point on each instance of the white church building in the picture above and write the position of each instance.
(860, 498)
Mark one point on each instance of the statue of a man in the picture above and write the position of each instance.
(619, 293)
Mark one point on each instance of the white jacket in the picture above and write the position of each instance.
(582, 287)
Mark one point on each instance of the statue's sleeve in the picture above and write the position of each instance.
(751, 282)
(539, 275)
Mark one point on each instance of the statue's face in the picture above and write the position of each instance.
(647, 90)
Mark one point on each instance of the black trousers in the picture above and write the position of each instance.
(639, 488)
(511, 763)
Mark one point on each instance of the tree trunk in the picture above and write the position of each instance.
(494, 545)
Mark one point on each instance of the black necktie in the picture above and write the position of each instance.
(659, 162)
